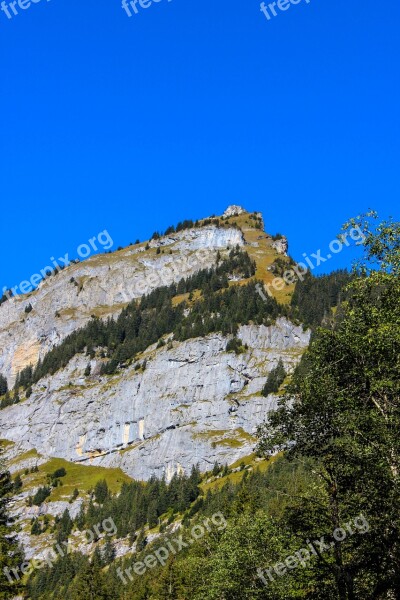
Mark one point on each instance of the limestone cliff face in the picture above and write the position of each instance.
(194, 403)
(101, 285)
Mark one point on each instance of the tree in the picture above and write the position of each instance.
(36, 528)
(342, 411)
(101, 491)
(275, 379)
(3, 385)
(17, 483)
(89, 583)
(152, 515)
(109, 552)
(10, 553)
(41, 495)
(141, 541)
(64, 527)
(216, 468)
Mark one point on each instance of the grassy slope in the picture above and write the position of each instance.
(82, 477)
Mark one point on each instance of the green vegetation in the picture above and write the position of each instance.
(9, 399)
(346, 419)
(275, 379)
(195, 572)
(3, 385)
(139, 504)
(236, 345)
(41, 495)
(315, 297)
(10, 553)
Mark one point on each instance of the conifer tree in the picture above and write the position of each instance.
(10, 554)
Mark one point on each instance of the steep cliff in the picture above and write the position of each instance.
(174, 405)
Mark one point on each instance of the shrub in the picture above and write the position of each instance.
(235, 345)
(41, 495)
(275, 379)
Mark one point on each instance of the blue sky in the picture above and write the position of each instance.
(132, 124)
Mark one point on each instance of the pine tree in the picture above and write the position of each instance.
(109, 552)
(17, 483)
(275, 379)
(101, 492)
(10, 554)
(3, 385)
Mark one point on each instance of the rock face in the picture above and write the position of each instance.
(233, 211)
(194, 403)
(102, 285)
(281, 246)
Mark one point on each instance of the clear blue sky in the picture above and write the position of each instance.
(131, 124)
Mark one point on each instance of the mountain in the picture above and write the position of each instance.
(181, 391)
(180, 401)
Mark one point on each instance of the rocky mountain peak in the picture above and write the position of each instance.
(233, 210)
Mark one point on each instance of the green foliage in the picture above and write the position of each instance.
(275, 379)
(235, 345)
(3, 385)
(314, 297)
(101, 492)
(222, 564)
(221, 308)
(346, 417)
(63, 527)
(139, 504)
(17, 483)
(59, 473)
(8, 294)
(41, 495)
(10, 553)
(109, 552)
(36, 528)
(338, 429)
(140, 325)
(74, 495)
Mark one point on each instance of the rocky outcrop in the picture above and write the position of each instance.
(194, 403)
(101, 285)
(281, 245)
(233, 211)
